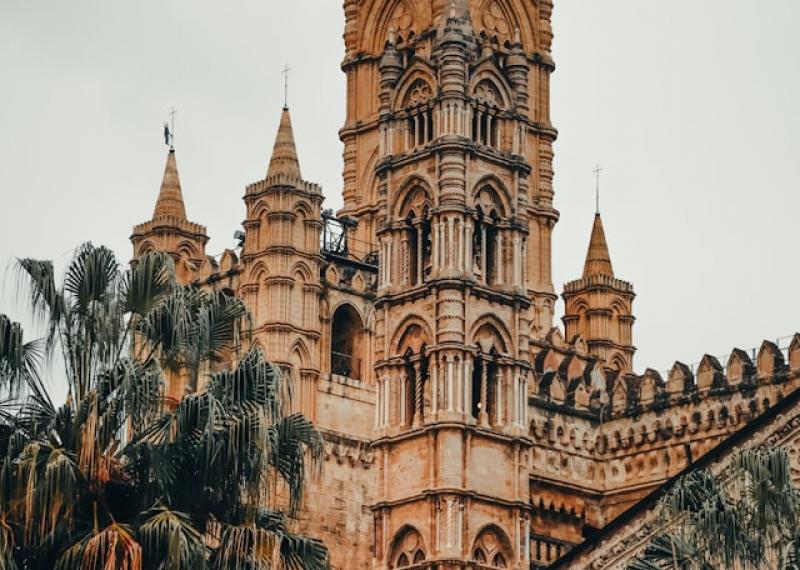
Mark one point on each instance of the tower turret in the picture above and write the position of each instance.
(599, 307)
(169, 230)
(281, 266)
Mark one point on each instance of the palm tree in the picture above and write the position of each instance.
(116, 478)
(747, 517)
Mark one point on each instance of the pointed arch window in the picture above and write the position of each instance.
(487, 247)
(347, 343)
(485, 115)
(419, 110)
(484, 386)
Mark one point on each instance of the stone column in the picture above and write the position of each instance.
(420, 247)
(484, 250)
(468, 247)
(450, 245)
(499, 386)
(379, 404)
(406, 261)
(450, 387)
(483, 416)
(419, 397)
(467, 388)
(499, 257)
(403, 398)
(434, 364)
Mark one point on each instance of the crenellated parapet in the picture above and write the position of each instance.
(603, 439)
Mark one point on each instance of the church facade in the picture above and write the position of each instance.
(462, 428)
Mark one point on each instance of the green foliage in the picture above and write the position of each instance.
(119, 477)
(747, 517)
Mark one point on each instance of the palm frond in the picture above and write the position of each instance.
(170, 541)
(20, 362)
(46, 299)
(112, 547)
(91, 276)
(147, 282)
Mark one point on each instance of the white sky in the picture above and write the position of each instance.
(690, 106)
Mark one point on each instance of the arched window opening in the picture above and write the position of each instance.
(411, 250)
(416, 374)
(407, 548)
(420, 127)
(484, 392)
(487, 247)
(491, 254)
(347, 336)
(492, 547)
(427, 245)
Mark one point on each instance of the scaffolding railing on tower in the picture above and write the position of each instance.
(337, 240)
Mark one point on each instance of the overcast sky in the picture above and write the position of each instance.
(690, 107)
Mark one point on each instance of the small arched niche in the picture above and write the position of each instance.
(407, 549)
(347, 343)
(492, 548)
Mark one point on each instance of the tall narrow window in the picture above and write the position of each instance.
(347, 333)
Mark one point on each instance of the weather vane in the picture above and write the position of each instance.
(169, 130)
(597, 172)
(285, 71)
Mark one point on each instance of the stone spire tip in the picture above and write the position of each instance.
(598, 260)
(284, 155)
(170, 198)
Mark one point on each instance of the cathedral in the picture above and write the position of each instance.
(462, 427)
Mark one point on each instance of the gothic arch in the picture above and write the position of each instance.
(146, 247)
(619, 308)
(489, 332)
(407, 548)
(618, 362)
(261, 210)
(413, 196)
(490, 191)
(188, 249)
(488, 76)
(303, 210)
(368, 176)
(413, 333)
(299, 354)
(407, 93)
(492, 547)
(347, 341)
(258, 273)
(302, 269)
(380, 17)
(577, 307)
(518, 15)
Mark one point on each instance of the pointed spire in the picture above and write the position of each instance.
(598, 260)
(284, 154)
(170, 197)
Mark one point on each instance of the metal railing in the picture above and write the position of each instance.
(345, 365)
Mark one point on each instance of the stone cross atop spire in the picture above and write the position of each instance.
(598, 260)
(170, 197)
(284, 154)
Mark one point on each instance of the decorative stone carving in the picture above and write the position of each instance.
(495, 21)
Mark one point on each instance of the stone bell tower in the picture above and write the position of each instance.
(281, 266)
(448, 174)
(599, 307)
